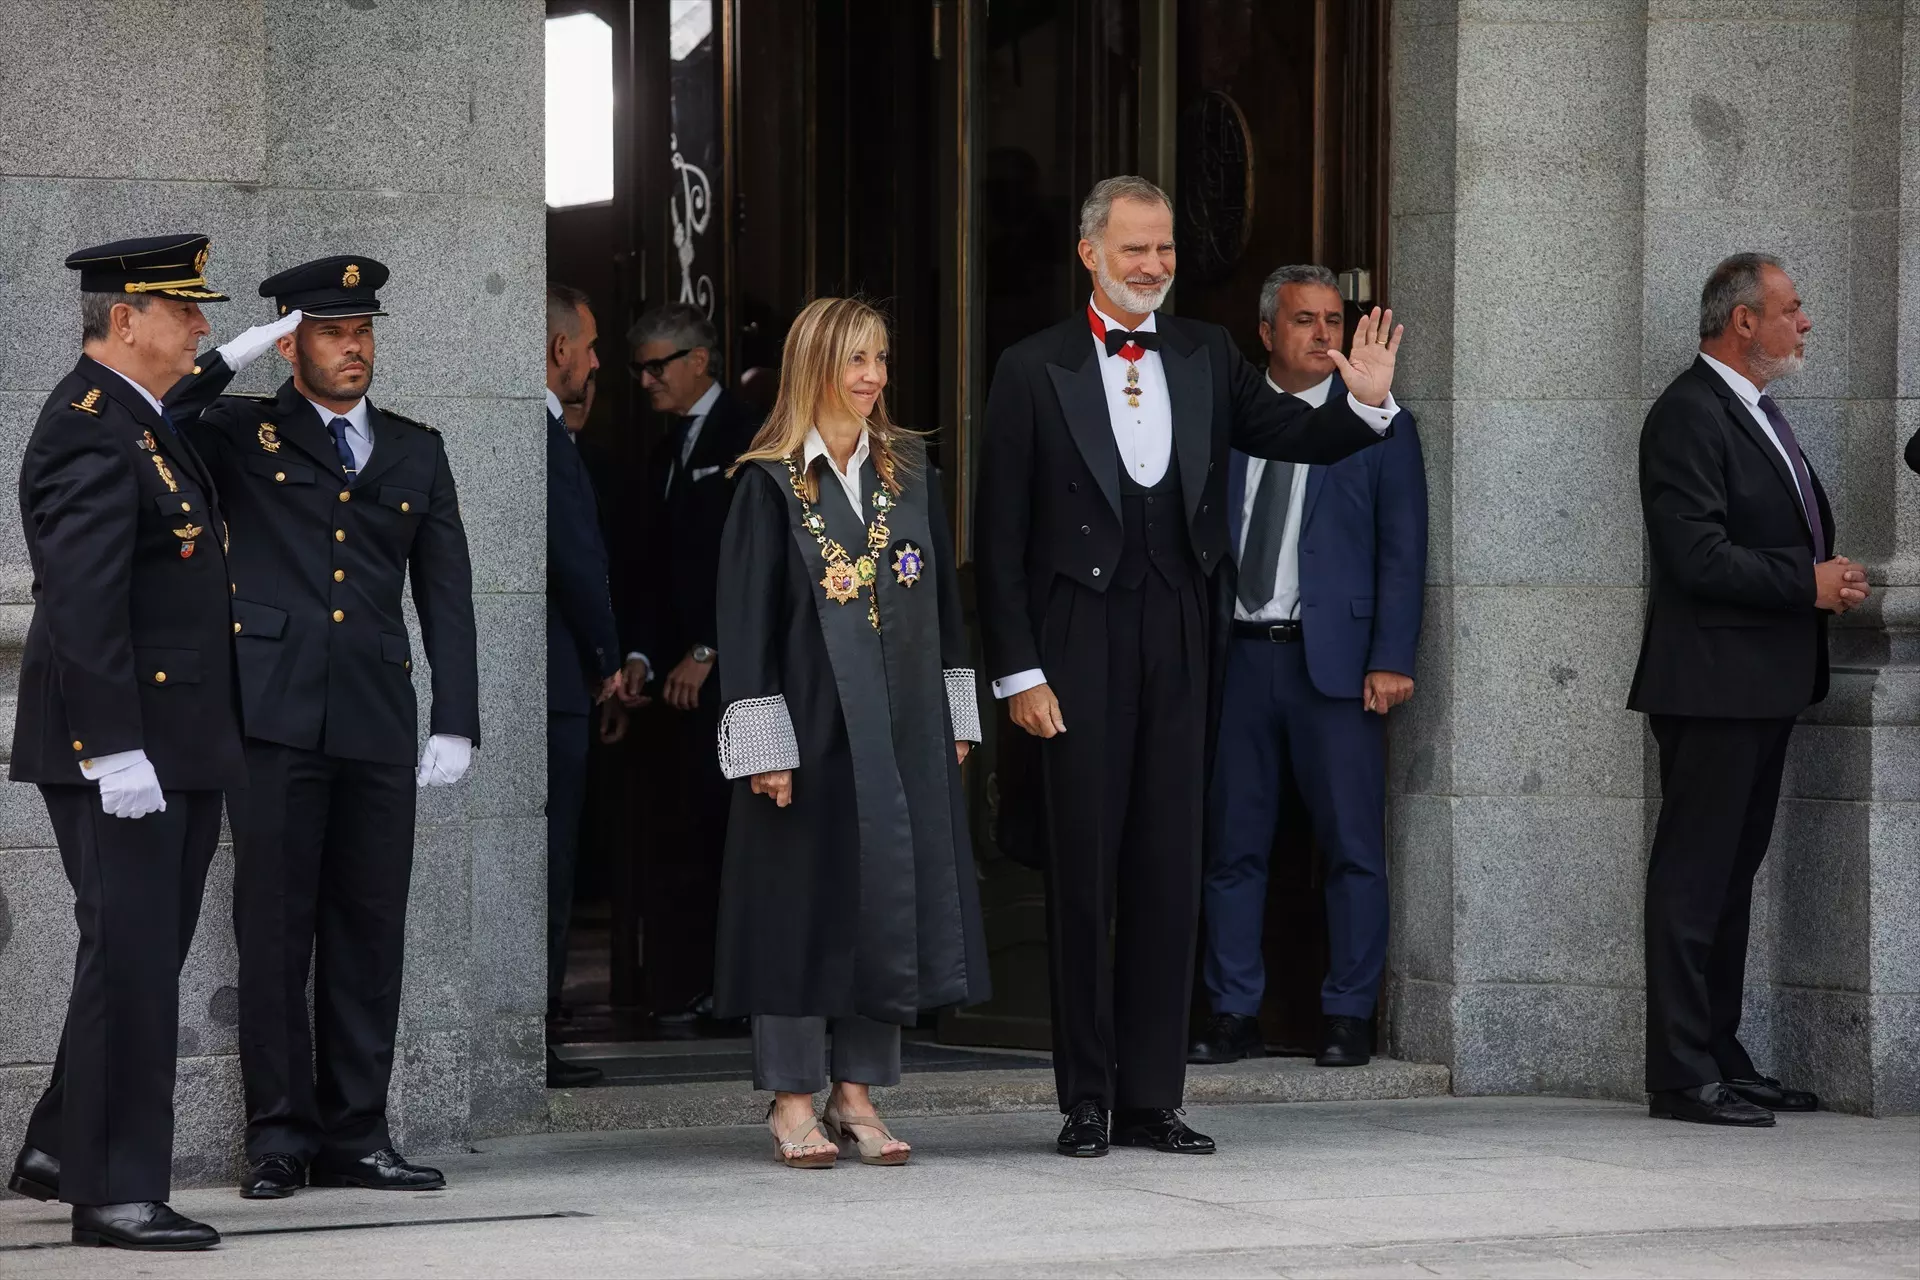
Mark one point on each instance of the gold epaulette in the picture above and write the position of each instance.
(89, 403)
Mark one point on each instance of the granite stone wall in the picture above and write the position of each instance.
(1563, 177)
(286, 130)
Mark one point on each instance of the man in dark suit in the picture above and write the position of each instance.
(335, 505)
(1326, 617)
(583, 646)
(1742, 582)
(128, 721)
(669, 618)
(1102, 514)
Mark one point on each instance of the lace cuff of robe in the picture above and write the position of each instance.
(756, 736)
(963, 700)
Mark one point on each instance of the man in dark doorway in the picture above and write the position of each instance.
(583, 646)
(1101, 516)
(669, 610)
(1329, 569)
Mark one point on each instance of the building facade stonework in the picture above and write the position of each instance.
(1564, 173)
(1563, 177)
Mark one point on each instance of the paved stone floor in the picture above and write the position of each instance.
(1430, 1187)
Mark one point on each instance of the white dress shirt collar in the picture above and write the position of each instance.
(356, 417)
(144, 393)
(704, 405)
(554, 407)
(1740, 384)
(1315, 395)
(1149, 325)
(816, 447)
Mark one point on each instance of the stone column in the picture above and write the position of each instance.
(1564, 176)
(287, 130)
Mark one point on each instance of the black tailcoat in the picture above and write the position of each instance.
(318, 568)
(131, 647)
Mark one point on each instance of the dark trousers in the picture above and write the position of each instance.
(323, 852)
(1719, 786)
(679, 861)
(1124, 804)
(1272, 722)
(107, 1113)
(568, 737)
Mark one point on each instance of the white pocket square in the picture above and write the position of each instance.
(701, 473)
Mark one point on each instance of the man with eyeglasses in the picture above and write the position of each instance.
(668, 614)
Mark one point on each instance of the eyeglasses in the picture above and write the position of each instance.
(657, 369)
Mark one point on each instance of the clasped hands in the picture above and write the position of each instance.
(1839, 585)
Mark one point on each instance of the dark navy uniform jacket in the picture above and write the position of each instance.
(131, 644)
(318, 567)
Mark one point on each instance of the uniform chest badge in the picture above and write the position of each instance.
(839, 582)
(269, 438)
(187, 536)
(908, 564)
(147, 442)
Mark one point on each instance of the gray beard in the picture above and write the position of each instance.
(1131, 298)
(1772, 369)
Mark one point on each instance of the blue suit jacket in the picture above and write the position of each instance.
(1363, 557)
(583, 647)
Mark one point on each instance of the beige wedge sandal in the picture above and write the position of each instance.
(872, 1150)
(787, 1150)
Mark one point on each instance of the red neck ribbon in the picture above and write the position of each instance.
(1132, 351)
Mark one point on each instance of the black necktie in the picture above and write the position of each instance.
(1260, 555)
(1147, 340)
(1808, 506)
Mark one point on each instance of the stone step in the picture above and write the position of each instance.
(683, 1105)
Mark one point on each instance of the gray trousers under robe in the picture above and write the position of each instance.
(790, 1054)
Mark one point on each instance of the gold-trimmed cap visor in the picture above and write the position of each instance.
(171, 266)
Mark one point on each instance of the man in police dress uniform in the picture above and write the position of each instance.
(128, 722)
(333, 502)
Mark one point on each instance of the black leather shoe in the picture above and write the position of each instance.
(562, 1074)
(35, 1174)
(1765, 1091)
(1229, 1037)
(1163, 1130)
(1349, 1042)
(1085, 1132)
(273, 1177)
(1711, 1103)
(146, 1224)
(384, 1170)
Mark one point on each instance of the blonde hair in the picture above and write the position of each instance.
(813, 361)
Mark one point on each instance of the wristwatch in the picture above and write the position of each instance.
(702, 653)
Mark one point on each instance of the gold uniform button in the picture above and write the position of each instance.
(407, 665)
(196, 368)
(280, 477)
(344, 495)
(406, 506)
(79, 745)
(339, 535)
(236, 628)
(339, 615)
(159, 677)
(186, 506)
(233, 588)
(339, 575)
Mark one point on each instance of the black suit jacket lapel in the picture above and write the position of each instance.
(1189, 371)
(1731, 405)
(169, 442)
(1083, 399)
(389, 444)
(298, 423)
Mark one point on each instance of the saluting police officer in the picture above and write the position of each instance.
(128, 722)
(332, 501)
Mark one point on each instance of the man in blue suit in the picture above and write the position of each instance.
(583, 645)
(1330, 564)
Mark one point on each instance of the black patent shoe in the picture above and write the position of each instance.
(273, 1177)
(35, 1175)
(1229, 1037)
(146, 1224)
(384, 1170)
(562, 1074)
(1711, 1103)
(1349, 1042)
(1162, 1129)
(1765, 1091)
(1085, 1133)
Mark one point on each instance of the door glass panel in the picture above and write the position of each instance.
(579, 111)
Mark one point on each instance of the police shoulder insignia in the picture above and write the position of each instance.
(90, 402)
(248, 395)
(402, 418)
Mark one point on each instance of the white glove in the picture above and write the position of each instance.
(445, 760)
(243, 350)
(132, 792)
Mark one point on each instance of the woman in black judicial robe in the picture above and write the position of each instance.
(848, 903)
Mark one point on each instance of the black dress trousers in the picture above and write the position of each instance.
(1719, 786)
(323, 851)
(107, 1114)
(1125, 792)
